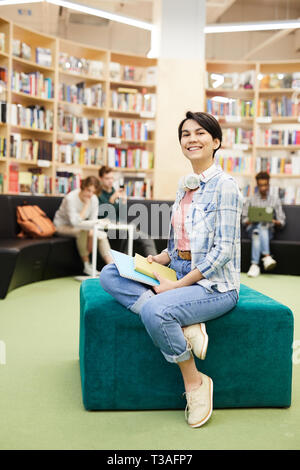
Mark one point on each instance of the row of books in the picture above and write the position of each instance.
(146, 75)
(280, 80)
(30, 149)
(234, 107)
(2, 146)
(66, 181)
(288, 195)
(127, 130)
(234, 164)
(3, 111)
(138, 188)
(35, 117)
(80, 125)
(278, 165)
(137, 158)
(245, 190)
(80, 94)
(1, 183)
(76, 154)
(278, 107)
(231, 81)
(129, 99)
(3, 75)
(246, 80)
(30, 181)
(278, 137)
(32, 84)
(43, 56)
(237, 135)
(81, 65)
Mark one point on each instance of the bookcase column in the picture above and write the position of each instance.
(179, 44)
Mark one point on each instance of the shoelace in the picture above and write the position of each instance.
(192, 400)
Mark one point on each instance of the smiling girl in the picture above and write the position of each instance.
(204, 250)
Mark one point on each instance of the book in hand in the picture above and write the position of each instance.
(126, 267)
(143, 266)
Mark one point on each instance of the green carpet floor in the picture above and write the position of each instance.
(40, 393)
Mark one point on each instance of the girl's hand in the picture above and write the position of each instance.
(162, 258)
(165, 284)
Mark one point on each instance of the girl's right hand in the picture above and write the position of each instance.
(162, 258)
(151, 258)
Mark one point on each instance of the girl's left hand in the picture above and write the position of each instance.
(165, 284)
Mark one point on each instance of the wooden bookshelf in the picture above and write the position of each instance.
(273, 88)
(67, 86)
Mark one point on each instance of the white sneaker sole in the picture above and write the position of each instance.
(270, 267)
(206, 418)
(205, 342)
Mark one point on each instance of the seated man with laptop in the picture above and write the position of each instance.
(262, 213)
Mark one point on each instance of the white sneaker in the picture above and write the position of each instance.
(254, 271)
(269, 263)
(197, 338)
(88, 269)
(200, 403)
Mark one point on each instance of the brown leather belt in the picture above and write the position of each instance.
(184, 254)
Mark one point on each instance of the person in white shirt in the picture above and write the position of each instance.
(77, 206)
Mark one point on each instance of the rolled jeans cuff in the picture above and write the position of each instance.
(185, 356)
(137, 306)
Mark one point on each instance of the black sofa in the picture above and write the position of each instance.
(285, 247)
(23, 261)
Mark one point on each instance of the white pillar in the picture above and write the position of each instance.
(182, 29)
(179, 44)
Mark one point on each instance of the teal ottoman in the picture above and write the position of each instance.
(249, 356)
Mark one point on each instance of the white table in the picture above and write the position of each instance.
(103, 225)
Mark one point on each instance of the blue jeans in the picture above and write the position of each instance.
(260, 235)
(164, 314)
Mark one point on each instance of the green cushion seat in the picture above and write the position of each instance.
(249, 356)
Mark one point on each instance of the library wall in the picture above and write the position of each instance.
(180, 89)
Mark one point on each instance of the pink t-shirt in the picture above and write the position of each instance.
(183, 242)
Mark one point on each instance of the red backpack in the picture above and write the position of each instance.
(34, 223)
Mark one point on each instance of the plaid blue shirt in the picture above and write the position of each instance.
(212, 224)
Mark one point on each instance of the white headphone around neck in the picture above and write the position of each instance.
(190, 181)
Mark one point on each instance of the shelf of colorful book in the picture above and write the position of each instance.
(77, 166)
(124, 83)
(81, 76)
(29, 65)
(76, 137)
(80, 106)
(284, 175)
(136, 114)
(25, 97)
(31, 129)
(278, 147)
(276, 91)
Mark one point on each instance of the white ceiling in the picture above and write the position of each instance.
(103, 33)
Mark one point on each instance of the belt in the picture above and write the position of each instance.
(184, 254)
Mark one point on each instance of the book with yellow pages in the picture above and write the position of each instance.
(126, 267)
(143, 266)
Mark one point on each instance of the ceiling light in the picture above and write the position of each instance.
(258, 26)
(102, 14)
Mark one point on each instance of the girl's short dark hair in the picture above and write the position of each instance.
(90, 181)
(205, 120)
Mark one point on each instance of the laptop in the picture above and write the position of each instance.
(260, 214)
